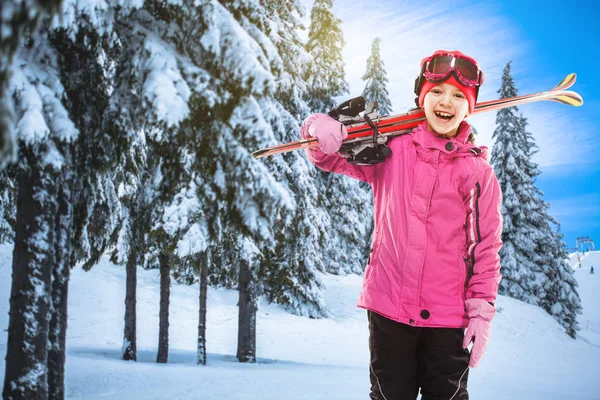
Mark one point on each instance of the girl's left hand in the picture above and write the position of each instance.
(479, 329)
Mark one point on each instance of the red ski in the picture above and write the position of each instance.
(361, 132)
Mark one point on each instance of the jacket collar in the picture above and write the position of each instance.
(456, 145)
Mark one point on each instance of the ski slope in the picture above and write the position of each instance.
(529, 356)
(589, 291)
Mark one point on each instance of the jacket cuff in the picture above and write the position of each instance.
(479, 308)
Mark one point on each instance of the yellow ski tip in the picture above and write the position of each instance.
(567, 82)
(569, 98)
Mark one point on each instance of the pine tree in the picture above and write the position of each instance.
(376, 80)
(41, 257)
(324, 74)
(87, 85)
(160, 81)
(288, 271)
(534, 261)
(284, 22)
(343, 247)
(523, 278)
(18, 19)
(65, 57)
(562, 300)
(350, 207)
(234, 60)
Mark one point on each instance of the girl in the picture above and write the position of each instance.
(434, 268)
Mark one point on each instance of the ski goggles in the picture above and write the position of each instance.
(438, 67)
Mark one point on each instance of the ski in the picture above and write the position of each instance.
(360, 131)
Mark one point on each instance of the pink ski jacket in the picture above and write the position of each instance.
(437, 229)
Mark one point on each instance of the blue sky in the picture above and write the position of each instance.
(544, 40)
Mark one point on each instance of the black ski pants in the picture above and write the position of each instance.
(405, 358)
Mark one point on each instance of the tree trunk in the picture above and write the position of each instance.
(129, 349)
(246, 351)
(60, 286)
(203, 258)
(165, 292)
(27, 345)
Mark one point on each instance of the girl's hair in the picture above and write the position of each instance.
(471, 138)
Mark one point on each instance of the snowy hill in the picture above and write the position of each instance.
(589, 291)
(529, 357)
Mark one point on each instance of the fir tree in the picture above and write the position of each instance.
(376, 81)
(18, 19)
(85, 99)
(350, 207)
(245, 198)
(289, 270)
(325, 74)
(284, 23)
(534, 262)
(522, 277)
(325, 80)
(63, 68)
(44, 133)
(562, 300)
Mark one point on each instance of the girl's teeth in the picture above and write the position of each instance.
(444, 117)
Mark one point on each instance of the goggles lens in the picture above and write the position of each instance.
(439, 67)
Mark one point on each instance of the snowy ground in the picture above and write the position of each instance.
(529, 356)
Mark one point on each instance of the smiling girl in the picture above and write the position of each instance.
(434, 267)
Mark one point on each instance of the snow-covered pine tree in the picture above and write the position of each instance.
(179, 234)
(288, 271)
(164, 83)
(350, 207)
(522, 277)
(89, 201)
(324, 74)
(561, 299)
(86, 57)
(77, 41)
(284, 21)
(344, 245)
(376, 80)
(133, 176)
(223, 129)
(45, 133)
(534, 261)
(18, 19)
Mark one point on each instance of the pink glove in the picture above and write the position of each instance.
(329, 132)
(479, 330)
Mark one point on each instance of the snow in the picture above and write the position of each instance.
(589, 292)
(164, 87)
(529, 356)
(235, 49)
(99, 14)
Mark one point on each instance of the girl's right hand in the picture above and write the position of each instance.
(329, 133)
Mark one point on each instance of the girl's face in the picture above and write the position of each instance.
(445, 108)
